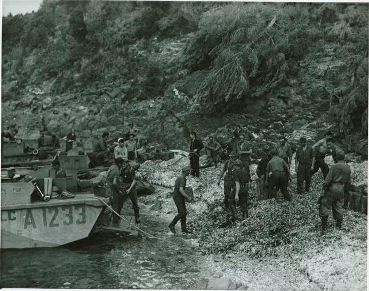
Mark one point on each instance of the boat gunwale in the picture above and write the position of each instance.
(93, 201)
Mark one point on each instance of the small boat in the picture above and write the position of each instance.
(24, 153)
(26, 224)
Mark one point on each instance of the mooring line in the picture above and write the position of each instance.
(116, 213)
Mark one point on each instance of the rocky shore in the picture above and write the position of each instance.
(279, 246)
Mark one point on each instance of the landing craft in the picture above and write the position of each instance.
(26, 224)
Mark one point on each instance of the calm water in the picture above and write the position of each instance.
(108, 261)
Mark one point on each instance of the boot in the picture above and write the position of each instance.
(324, 225)
(339, 224)
(184, 225)
(172, 229)
(137, 219)
(245, 214)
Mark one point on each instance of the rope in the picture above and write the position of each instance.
(120, 216)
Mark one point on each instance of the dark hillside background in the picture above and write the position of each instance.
(99, 65)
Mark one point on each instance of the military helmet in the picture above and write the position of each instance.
(340, 155)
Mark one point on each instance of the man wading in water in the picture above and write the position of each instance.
(180, 197)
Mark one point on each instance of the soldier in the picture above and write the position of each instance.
(128, 188)
(120, 151)
(213, 147)
(240, 185)
(261, 172)
(303, 163)
(195, 148)
(113, 188)
(57, 172)
(180, 197)
(101, 151)
(131, 146)
(285, 151)
(320, 150)
(227, 168)
(278, 175)
(335, 186)
(71, 137)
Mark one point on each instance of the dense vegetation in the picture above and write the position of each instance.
(222, 57)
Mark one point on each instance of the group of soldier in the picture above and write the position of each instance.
(273, 172)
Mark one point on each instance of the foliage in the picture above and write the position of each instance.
(246, 48)
(239, 57)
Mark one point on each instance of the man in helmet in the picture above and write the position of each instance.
(212, 146)
(240, 184)
(226, 173)
(278, 175)
(128, 188)
(335, 186)
(180, 197)
(320, 151)
(303, 163)
(113, 188)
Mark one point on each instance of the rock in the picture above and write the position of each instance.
(232, 286)
(46, 102)
(157, 205)
(219, 284)
(299, 123)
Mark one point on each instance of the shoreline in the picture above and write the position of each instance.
(318, 263)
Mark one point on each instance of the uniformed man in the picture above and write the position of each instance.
(320, 150)
(100, 154)
(241, 180)
(213, 147)
(113, 188)
(335, 186)
(120, 151)
(285, 151)
(180, 197)
(57, 172)
(71, 137)
(195, 148)
(303, 162)
(278, 175)
(226, 173)
(236, 165)
(128, 188)
(131, 146)
(261, 172)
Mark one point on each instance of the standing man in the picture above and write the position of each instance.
(180, 197)
(227, 168)
(120, 151)
(320, 150)
(128, 188)
(241, 180)
(278, 175)
(56, 171)
(101, 150)
(71, 137)
(303, 162)
(335, 186)
(195, 148)
(285, 151)
(113, 188)
(131, 146)
(213, 147)
(261, 172)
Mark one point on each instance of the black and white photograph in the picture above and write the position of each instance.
(184, 145)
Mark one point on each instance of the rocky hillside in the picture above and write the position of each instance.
(99, 65)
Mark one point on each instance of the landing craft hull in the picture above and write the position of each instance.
(49, 224)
